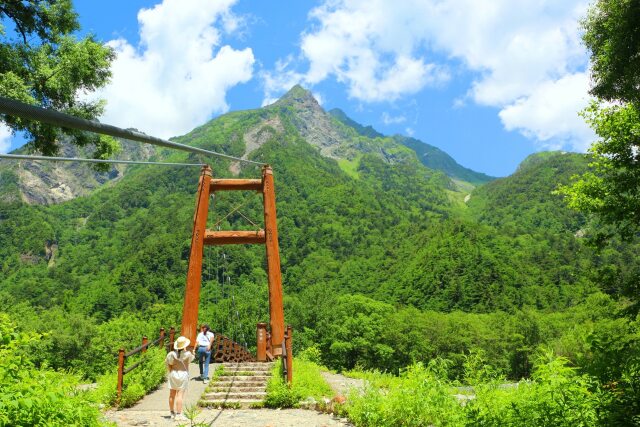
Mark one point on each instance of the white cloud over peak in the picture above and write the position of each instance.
(527, 57)
(179, 74)
(359, 43)
(388, 119)
(5, 138)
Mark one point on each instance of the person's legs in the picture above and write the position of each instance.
(179, 396)
(207, 359)
(172, 398)
(201, 356)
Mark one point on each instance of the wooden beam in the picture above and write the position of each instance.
(274, 276)
(236, 184)
(233, 237)
(194, 273)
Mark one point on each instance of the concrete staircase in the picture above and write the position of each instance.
(241, 385)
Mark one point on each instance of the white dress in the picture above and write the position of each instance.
(179, 375)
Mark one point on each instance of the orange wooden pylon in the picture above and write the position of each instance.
(194, 273)
(201, 237)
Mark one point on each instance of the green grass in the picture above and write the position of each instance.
(421, 396)
(350, 167)
(307, 382)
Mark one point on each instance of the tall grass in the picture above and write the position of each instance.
(420, 396)
(557, 395)
(307, 382)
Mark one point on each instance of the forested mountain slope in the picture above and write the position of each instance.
(356, 216)
(384, 226)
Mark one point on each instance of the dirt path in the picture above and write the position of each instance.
(232, 418)
(341, 384)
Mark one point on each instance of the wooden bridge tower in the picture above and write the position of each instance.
(201, 236)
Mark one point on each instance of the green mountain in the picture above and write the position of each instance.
(367, 233)
(434, 158)
(367, 131)
(430, 156)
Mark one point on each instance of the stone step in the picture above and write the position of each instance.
(229, 378)
(248, 403)
(228, 384)
(248, 365)
(216, 389)
(233, 396)
(247, 368)
(242, 372)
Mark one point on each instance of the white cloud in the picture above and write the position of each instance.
(355, 42)
(318, 97)
(5, 139)
(520, 53)
(280, 80)
(530, 63)
(388, 119)
(550, 114)
(179, 74)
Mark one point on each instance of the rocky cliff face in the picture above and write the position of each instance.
(314, 124)
(44, 183)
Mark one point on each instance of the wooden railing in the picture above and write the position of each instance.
(287, 356)
(122, 356)
(226, 350)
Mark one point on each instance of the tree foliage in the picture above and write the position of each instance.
(612, 35)
(44, 64)
(610, 189)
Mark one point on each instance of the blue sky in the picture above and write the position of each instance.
(487, 82)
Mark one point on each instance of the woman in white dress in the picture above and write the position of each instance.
(177, 362)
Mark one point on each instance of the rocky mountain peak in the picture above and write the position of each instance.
(313, 123)
(298, 97)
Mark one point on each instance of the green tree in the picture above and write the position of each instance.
(44, 64)
(611, 189)
(612, 35)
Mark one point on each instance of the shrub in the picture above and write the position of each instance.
(33, 397)
(421, 396)
(557, 396)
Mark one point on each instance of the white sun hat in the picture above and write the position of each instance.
(181, 343)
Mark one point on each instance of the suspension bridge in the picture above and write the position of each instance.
(273, 339)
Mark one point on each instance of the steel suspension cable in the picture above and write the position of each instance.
(30, 112)
(74, 159)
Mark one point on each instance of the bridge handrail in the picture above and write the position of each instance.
(122, 357)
